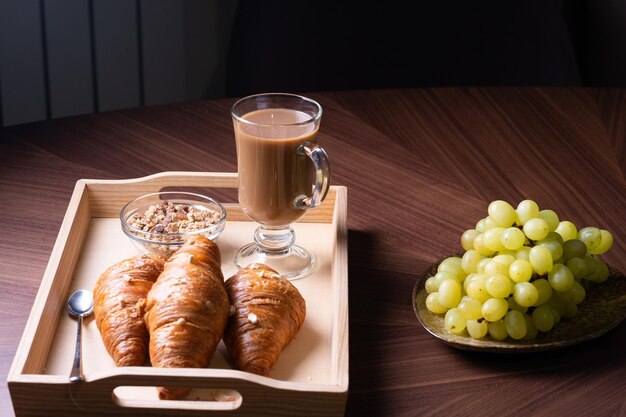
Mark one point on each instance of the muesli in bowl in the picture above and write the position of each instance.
(160, 222)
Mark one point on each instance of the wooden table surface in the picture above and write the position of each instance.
(420, 166)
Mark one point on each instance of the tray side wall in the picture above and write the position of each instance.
(109, 196)
(96, 398)
(40, 328)
(340, 272)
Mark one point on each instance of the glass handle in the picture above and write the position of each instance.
(322, 175)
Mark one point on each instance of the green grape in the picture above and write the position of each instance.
(601, 272)
(543, 317)
(490, 223)
(507, 252)
(557, 302)
(553, 236)
(561, 278)
(485, 224)
(531, 330)
(567, 230)
(520, 271)
(574, 295)
(541, 259)
(498, 286)
(523, 253)
(479, 245)
(497, 330)
(525, 294)
(573, 248)
(536, 228)
(494, 267)
(527, 210)
(454, 321)
(502, 213)
(494, 309)
(441, 277)
(555, 248)
(512, 238)
(431, 285)
(544, 290)
(470, 309)
(467, 279)
(449, 293)
(452, 265)
(471, 277)
(467, 238)
(592, 264)
(470, 260)
(476, 289)
(590, 236)
(477, 329)
(606, 242)
(480, 267)
(491, 238)
(515, 324)
(514, 306)
(504, 259)
(578, 267)
(460, 275)
(433, 305)
(550, 217)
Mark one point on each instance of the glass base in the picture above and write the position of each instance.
(292, 264)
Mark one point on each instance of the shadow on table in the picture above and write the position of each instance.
(376, 311)
(598, 353)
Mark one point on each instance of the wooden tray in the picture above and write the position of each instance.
(310, 378)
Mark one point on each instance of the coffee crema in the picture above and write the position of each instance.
(272, 175)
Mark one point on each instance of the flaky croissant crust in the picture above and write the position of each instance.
(187, 310)
(119, 301)
(267, 311)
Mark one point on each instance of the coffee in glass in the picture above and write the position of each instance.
(282, 173)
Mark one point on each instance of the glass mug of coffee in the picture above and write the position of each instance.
(282, 173)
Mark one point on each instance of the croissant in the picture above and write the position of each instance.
(119, 302)
(187, 310)
(268, 312)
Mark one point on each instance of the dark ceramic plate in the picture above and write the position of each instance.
(603, 309)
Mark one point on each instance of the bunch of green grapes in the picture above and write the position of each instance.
(522, 271)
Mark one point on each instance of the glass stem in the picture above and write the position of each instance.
(274, 240)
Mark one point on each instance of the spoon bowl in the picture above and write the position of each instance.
(80, 305)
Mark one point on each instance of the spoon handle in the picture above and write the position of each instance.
(77, 369)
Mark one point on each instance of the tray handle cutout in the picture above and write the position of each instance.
(199, 399)
(214, 392)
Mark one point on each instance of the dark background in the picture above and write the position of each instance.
(351, 45)
(60, 58)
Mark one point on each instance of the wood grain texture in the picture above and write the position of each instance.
(421, 166)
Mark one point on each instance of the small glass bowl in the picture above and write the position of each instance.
(159, 234)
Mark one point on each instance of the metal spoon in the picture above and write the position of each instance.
(80, 305)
